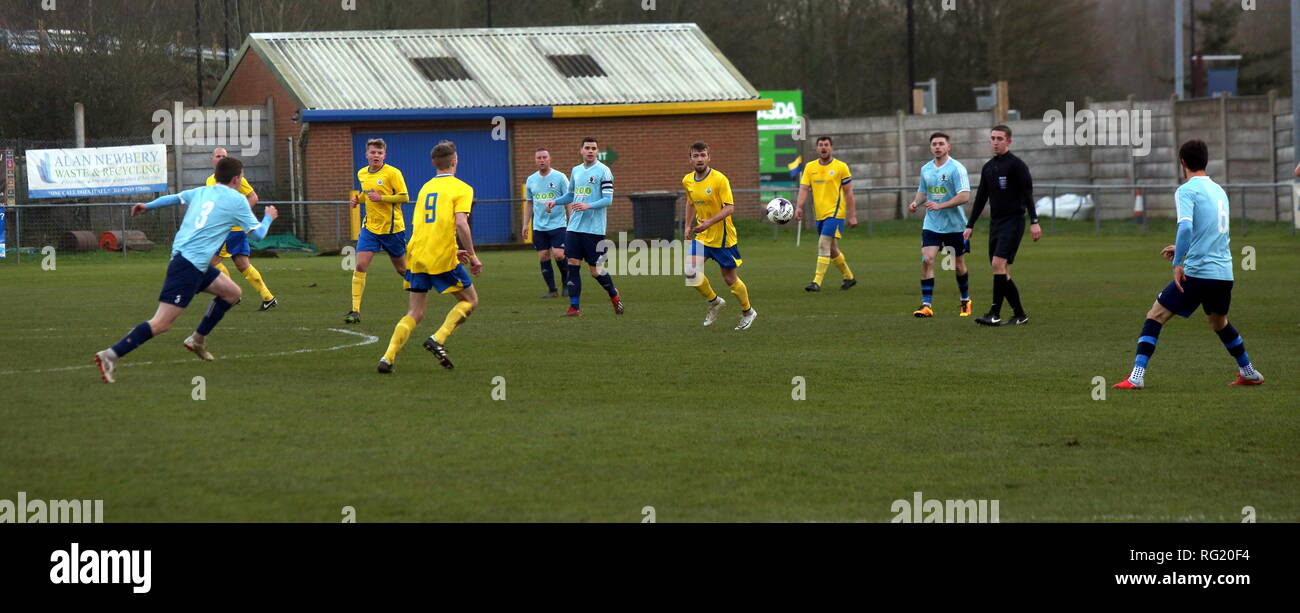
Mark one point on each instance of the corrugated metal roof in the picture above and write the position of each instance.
(373, 70)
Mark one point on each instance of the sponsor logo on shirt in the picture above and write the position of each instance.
(1002, 182)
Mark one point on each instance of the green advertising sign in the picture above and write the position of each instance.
(776, 145)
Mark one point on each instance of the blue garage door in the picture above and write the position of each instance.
(484, 164)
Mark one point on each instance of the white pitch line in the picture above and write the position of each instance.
(366, 339)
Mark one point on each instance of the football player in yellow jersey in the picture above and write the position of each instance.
(384, 192)
(828, 181)
(711, 235)
(441, 217)
(236, 245)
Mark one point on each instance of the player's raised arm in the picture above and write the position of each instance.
(258, 229)
(564, 200)
(398, 184)
(606, 194)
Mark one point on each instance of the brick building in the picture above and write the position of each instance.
(645, 91)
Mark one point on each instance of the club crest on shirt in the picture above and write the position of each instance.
(832, 173)
(379, 182)
(708, 190)
(943, 178)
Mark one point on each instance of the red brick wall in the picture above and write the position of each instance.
(652, 152)
(252, 83)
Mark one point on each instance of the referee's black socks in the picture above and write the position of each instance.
(1013, 297)
(999, 291)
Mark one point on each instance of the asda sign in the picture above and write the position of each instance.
(777, 147)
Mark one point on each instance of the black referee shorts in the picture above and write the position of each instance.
(1004, 237)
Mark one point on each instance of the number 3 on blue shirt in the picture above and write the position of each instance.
(430, 207)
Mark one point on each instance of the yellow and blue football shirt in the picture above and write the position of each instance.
(383, 217)
(825, 182)
(709, 195)
(432, 248)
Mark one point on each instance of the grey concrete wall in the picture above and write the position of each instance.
(1258, 150)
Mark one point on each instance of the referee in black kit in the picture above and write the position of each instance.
(1006, 182)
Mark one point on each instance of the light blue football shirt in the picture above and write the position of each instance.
(1201, 201)
(540, 189)
(939, 185)
(211, 211)
(591, 185)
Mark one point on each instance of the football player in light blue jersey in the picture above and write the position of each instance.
(1202, 269)
(543, 186)
(591, 191)
(944, 187)
(211, 212)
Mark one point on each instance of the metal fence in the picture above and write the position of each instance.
(1095, 209)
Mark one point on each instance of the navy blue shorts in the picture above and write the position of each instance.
(237, 243)
(726, 257)
(548, 239)
(184, 280)
(394, 244)
(945, 239)
(448, 282)
(583, 246)
(1213, 295)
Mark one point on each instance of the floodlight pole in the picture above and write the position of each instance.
(1178, 49)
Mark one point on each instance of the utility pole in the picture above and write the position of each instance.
(1179, 88)
(198, 57)
(911, 64)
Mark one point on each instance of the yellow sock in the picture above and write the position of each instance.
(455, 316)
(741, 293)
(358, 288)
(843, 266)
(705, 289)
(255, 279)
(222, 267)
(822, 263)
(400, 333)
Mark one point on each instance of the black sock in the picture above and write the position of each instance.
(1013, 298)
(548, 275)
(999, 290)
(564, 271)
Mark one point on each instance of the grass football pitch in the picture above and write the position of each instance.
(604, 415)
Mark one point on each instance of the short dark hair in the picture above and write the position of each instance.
(541, 149)
(699, 145)
(824, 138)
(940, 135)
(1003, 128)
(227, 169)
(590, 139)
(442, 154)
(1194, 153)
(377, 142)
